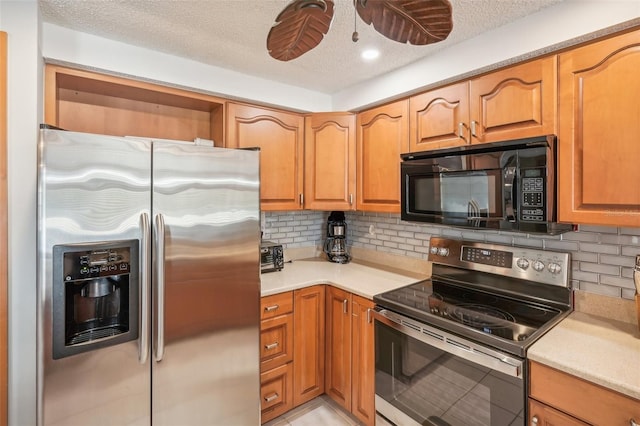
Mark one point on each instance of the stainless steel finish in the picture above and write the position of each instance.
(301, 199)
(145, 280)
(90, 189)
(97, 189)
(473, 128)
(271, 308)
(271, 397)
(209, 198)
(345, 306)
(632, 422)
(450, 253)
(369, 316)
(350, 199)
(534, 421)
(461, 130)
(159, 288)
(636, 274)
(452, 344)
(271, 346)
(393, 414)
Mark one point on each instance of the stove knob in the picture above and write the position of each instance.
(523, 263)
(554, 268)
(434, 250)
(538, 266)
(443, 251)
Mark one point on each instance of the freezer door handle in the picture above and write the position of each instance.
(159, 346)
(145, 269)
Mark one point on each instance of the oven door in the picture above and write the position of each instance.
(425, 376)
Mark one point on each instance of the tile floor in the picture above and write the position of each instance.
(321, 411)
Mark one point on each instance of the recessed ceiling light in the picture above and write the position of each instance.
(370, 54)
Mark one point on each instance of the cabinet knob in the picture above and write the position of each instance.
(534, 421)
(271, 308)
(271, 397)
(632, 422)
(345, 308)
(473, 128)
(461, 131)
(271, 346)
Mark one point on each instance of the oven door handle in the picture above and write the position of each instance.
(454, 345)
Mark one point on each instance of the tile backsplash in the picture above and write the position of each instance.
(602, 257)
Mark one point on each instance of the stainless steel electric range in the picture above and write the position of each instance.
(451, 350)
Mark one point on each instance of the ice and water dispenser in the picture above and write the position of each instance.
(95, 296)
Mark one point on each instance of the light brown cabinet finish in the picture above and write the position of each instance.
(599, 134)
(438, 118)
(363, 361)
(276, 341)
(338, 362)
(276, 396)
(309, 343)
(581, 399)
(280, 137)
(330, 161)
(276, 305)
(350, 365)
(90, 102)
(543, 415)
(382, 134)
(512, 103)
(515, 102)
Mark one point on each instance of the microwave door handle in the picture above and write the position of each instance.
(509, 179)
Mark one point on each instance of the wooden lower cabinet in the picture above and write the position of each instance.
(560, 399)
(309, 341)
(349, 378)
(276, 355)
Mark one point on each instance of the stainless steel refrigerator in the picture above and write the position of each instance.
(148, 282)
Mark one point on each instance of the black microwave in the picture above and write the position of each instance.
(505, 186)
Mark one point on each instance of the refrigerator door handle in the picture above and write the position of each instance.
(159, 346)
(145, 269)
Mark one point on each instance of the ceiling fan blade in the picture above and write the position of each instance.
(300, 27)
(416, 22)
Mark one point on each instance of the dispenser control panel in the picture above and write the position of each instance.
(96, 263)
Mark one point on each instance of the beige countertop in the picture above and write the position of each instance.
(596, 349)
(357, 278)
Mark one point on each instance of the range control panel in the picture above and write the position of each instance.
(544, 266)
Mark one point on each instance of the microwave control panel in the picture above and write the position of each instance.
(533, 195)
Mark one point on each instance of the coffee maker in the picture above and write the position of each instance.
(335, 247)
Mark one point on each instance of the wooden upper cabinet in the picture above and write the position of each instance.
(280, 137)
(516, 102)
(90, 102)
(382, 135)
(599, 135)
(330, 161)
(438, 118)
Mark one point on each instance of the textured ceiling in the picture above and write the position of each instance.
(232, 34)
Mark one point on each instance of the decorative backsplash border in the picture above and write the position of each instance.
(602, 257)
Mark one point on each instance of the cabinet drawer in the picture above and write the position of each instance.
(584, 400)
(276, 341)
(276, 391)
(277, 304)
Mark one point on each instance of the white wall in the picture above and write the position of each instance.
(565, 21)
(64, 45)
(20, 19)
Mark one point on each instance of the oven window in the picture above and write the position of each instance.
(436, 388)
(458, 195)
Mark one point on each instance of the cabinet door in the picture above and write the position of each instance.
(599, 138)
(279, 135)
(276, 341)
(439, 118)
(363, 361)
(382, 135)
(543, 415)
(276, 396)
(338, 362)
(330, 161)
(516, 102)
(309, 341)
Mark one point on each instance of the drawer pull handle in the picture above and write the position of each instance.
(632, 422)
(271, 308)
(271, 346)
(534, 421)
(271, 397)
